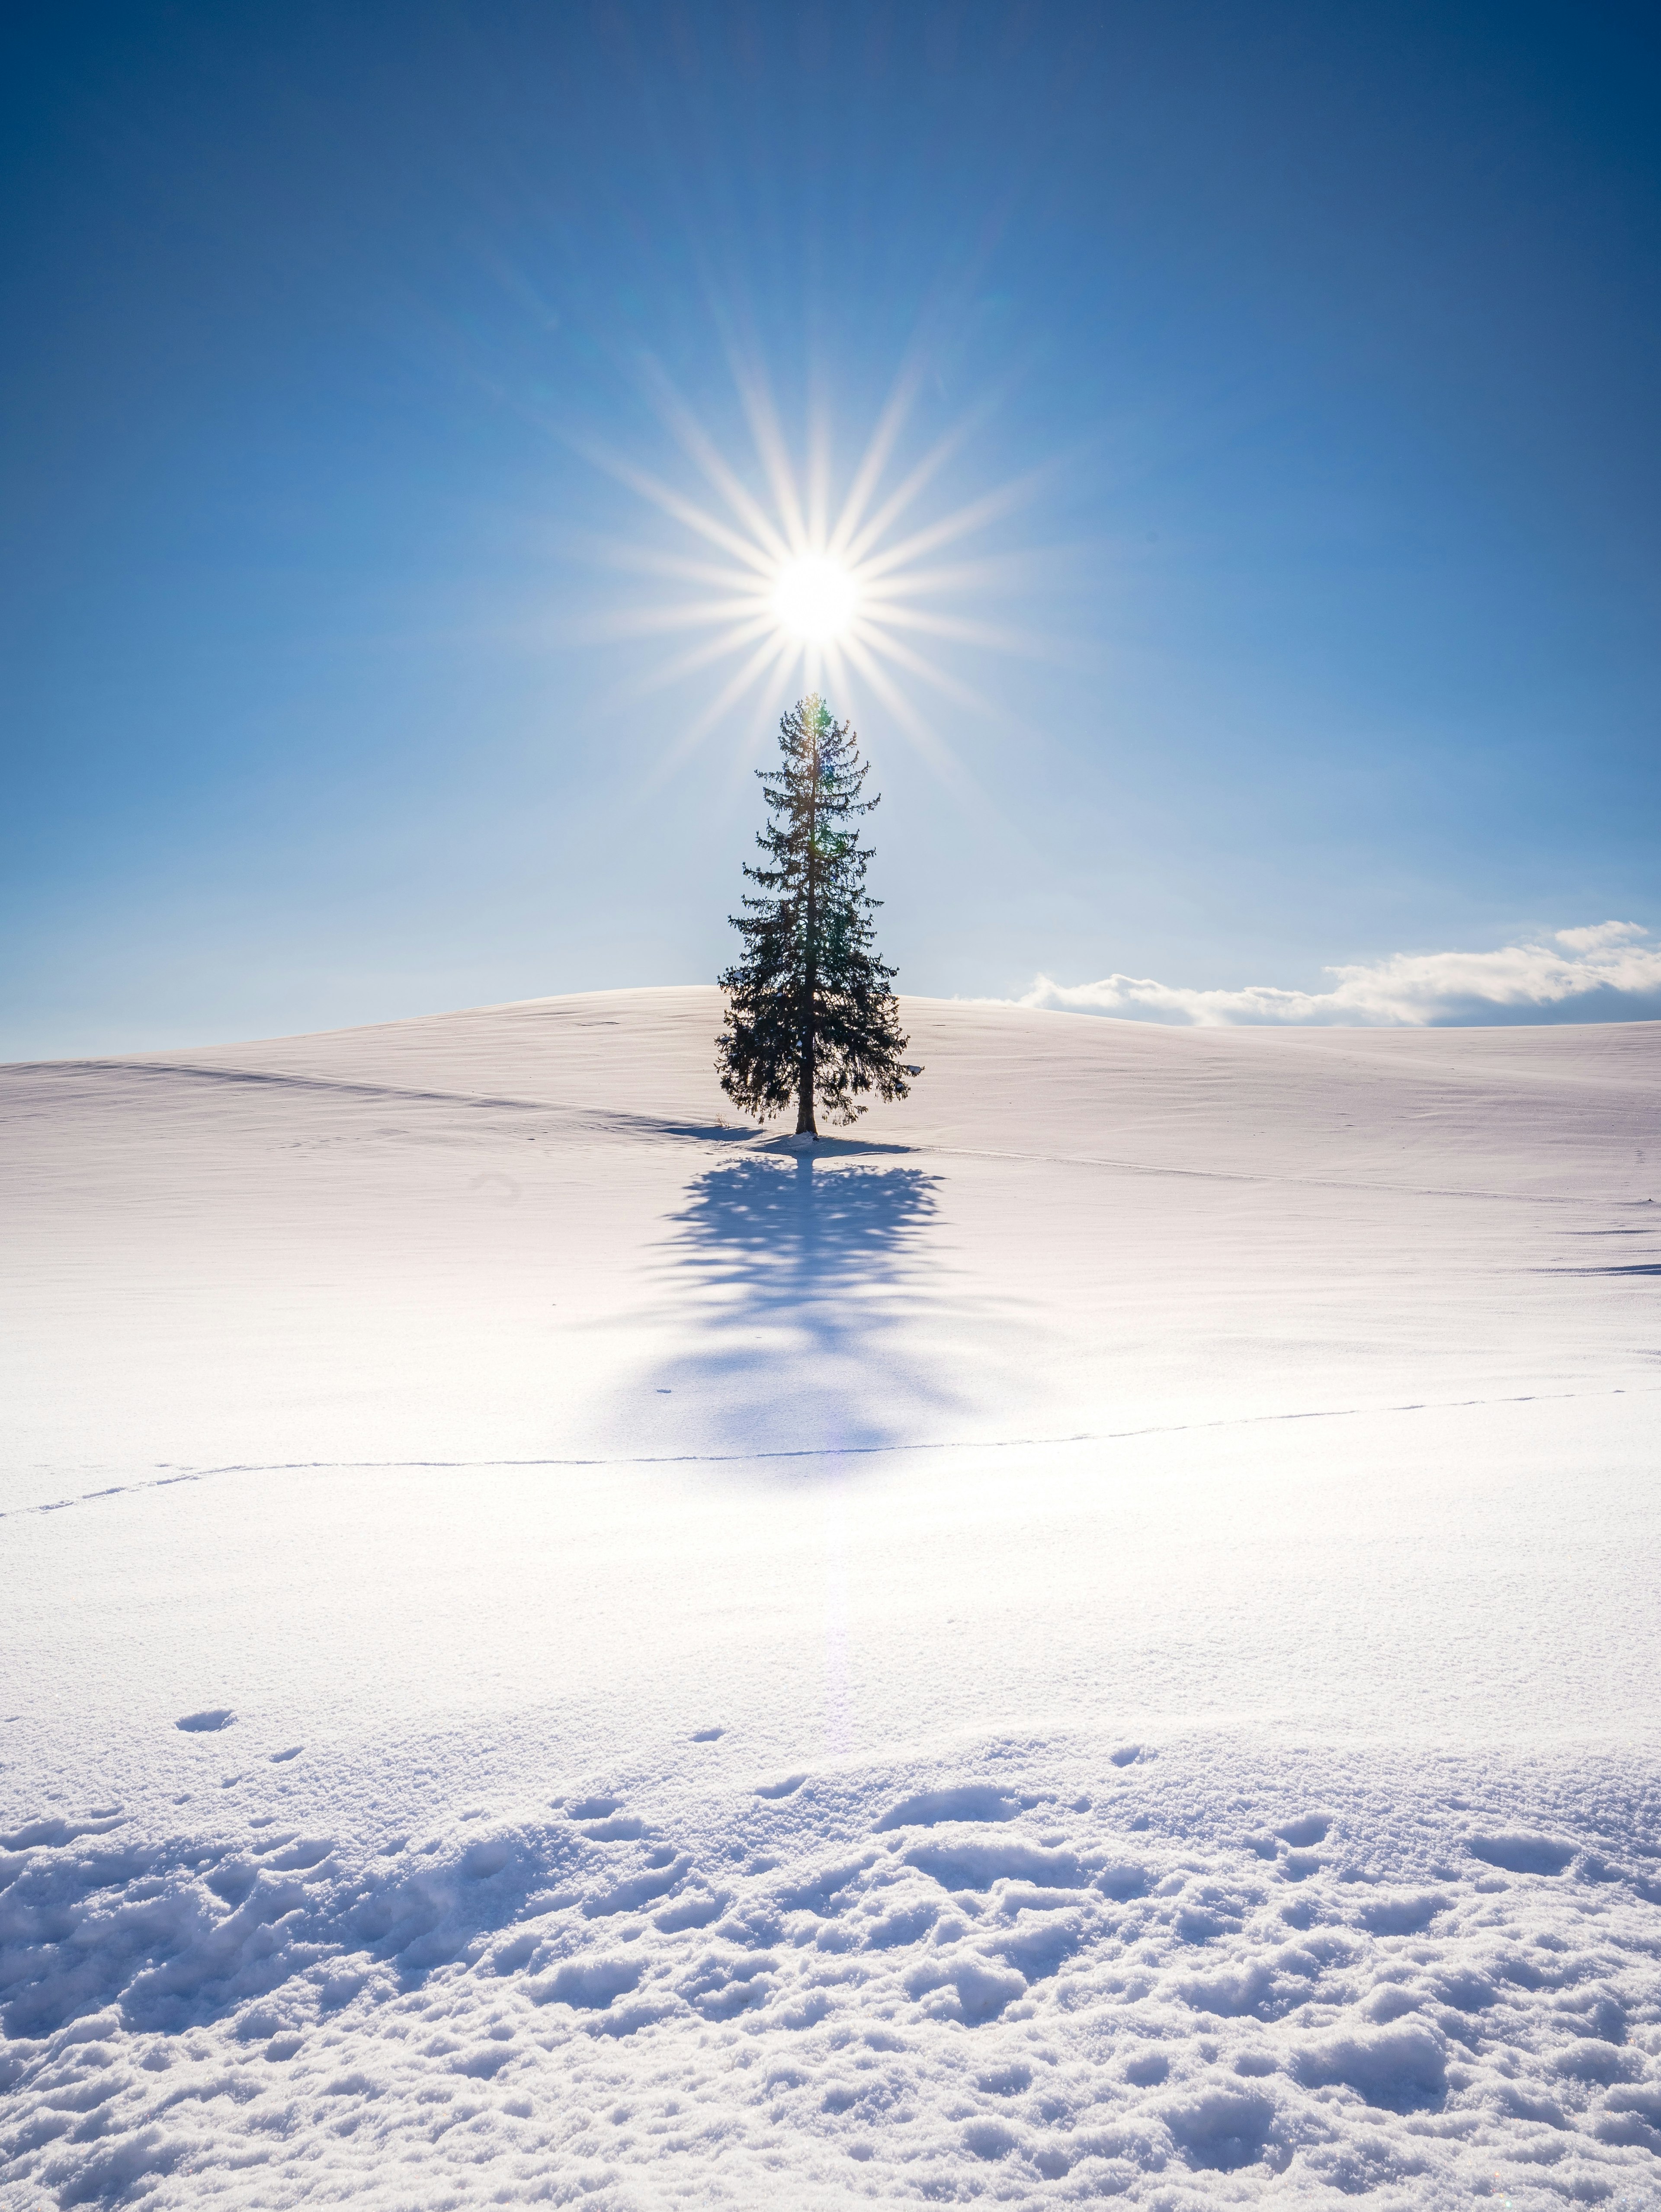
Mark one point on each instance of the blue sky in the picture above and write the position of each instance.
(1314, 348)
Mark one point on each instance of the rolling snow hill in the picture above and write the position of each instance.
(1094, 1636)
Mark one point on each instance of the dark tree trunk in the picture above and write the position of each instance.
(805, 1123)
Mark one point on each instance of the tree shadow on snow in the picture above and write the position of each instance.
(787, 1226)
(812, 1285)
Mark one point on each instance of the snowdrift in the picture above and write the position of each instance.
(1094, 1636)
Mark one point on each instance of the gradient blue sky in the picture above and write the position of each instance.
(1333, 333)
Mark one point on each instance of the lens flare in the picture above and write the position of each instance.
(815, 598)
(798, 587)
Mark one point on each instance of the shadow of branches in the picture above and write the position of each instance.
(809, 1283)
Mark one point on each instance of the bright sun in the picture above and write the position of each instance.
(815, 598)
(809, 583)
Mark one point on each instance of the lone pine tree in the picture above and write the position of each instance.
(809, 1010)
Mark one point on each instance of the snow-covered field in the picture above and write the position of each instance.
(1097, 1639)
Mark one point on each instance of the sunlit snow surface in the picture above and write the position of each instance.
(1097, 1641)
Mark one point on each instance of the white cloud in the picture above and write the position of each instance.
(1605, 975)
(1600, 934)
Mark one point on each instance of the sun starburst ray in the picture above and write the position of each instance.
(828, 593)
(1029, 645)
(875, 459)
(909, 490)
(819, 475)
(991, 507)
(768, 654)
(648, 682)
(679, 508)
(628, 558)
(622, 622)
(995, 572)
(921, 732)
(758, 403)
(919, 664)
(702, 449)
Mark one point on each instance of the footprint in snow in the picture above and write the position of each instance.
(589, 1985)
(1522, 1853)
(970, 1801)
(616, 1828)
(1309, 1828)
(211, 1717)
(52, 1829)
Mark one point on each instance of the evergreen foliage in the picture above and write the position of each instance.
(809, 1011)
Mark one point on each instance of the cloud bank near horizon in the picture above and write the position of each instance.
(1600, 973)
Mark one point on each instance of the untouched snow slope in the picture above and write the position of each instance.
(1095, 1638)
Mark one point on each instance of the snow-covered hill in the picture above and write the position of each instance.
(1094, 1636)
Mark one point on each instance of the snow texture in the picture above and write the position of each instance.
(1095, 1640)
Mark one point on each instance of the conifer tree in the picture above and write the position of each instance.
(809, 1010)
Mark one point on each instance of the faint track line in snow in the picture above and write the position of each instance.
(604, 1118)
(1294, 1182)
(652, 1125)
(830, 1451)
(298, 1082)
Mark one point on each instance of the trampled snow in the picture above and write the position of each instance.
(1093, 1637)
